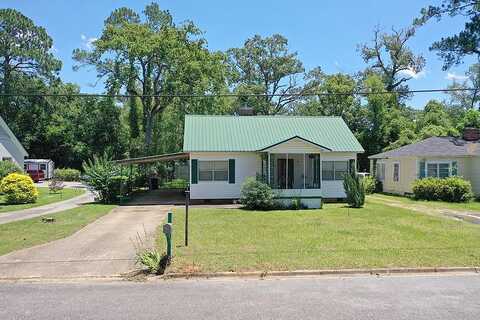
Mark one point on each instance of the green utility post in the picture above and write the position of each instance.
(167, 230)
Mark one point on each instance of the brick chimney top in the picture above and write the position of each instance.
(471, 134)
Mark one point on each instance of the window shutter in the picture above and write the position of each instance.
(454, 168)
(231, 171)
(421, 170)
(194, 171)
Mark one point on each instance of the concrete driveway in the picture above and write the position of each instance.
(104, 248)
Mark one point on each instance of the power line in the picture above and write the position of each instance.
(299, 94)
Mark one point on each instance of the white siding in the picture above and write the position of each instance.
(247, 164)
(334, 189)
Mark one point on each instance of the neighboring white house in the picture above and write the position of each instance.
(10, 148)
(300, 157)
(45, 165)
(433, 157)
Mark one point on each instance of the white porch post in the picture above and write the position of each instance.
(268, 166)
(304, 170)
(286, 172)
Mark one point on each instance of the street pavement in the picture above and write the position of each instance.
(367, 297)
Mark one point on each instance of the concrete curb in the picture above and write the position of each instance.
(324, 272)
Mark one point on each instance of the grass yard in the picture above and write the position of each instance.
(335, 237)
(467, 206)
(44, 197)
(27, 233)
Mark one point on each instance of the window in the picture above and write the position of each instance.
(396, 172)
(334, 170)
(213, 171)
(380, 172)
(7, 159)
(438, 169)
(43, 166)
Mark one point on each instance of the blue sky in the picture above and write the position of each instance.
(324, 33)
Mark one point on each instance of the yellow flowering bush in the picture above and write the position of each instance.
(18, 188)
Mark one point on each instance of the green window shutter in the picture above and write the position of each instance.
(351, 166)
(194, 171)
(454, 168)
(231, 171)
(421, 170)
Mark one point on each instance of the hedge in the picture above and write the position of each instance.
(452, 189)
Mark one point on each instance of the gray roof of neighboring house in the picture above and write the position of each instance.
(434, 147)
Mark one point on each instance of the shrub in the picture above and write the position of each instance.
(176, 184)
(355, 190)
(256, 195)
(7, 167)
(103, 176)
(370, 184)
(55, 185)
(151, 259)
(67, 174)
(18, 188)
(452, 189)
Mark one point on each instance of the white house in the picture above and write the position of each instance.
(300, 157)
(45, 165)
(10, 148)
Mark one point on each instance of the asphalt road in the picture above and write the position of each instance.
(389, 297)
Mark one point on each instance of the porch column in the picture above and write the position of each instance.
(286, 171)
(304, 170)
(268, 166)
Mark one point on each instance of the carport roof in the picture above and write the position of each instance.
(155, 158)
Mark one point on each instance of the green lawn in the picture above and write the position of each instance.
(466, 206)
(335, 237)
(31, 232)
(44, 197)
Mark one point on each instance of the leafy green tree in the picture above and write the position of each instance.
(389, 56)
(25, 52)
(162, 58)
(265, 66)
(454, 48)
(343, 105)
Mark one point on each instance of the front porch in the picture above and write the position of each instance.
(294, 176)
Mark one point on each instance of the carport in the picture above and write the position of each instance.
(155, 195)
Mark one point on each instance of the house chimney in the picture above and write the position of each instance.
(471, 134)
(245, 111)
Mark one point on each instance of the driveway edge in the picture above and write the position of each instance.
(323, 272)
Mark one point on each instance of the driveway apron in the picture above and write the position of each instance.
(103, 248)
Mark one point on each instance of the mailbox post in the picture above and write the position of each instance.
(187, 202)
(167, 230)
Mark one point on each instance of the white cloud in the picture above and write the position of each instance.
(455, 77)
(87, 42)
(412, 74)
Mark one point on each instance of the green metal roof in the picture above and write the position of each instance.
(254, 133)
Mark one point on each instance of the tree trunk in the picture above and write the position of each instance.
(148, 132)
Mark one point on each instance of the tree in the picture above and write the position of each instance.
(265, 66)
(454, 48)
(25, 52)
(155, 52)
(460, 101)
(325, 103)
(389, 56)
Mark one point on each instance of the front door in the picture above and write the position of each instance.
(282, 174)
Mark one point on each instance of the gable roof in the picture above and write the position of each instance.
(12, 137)
(434, 147)
(256, 133)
